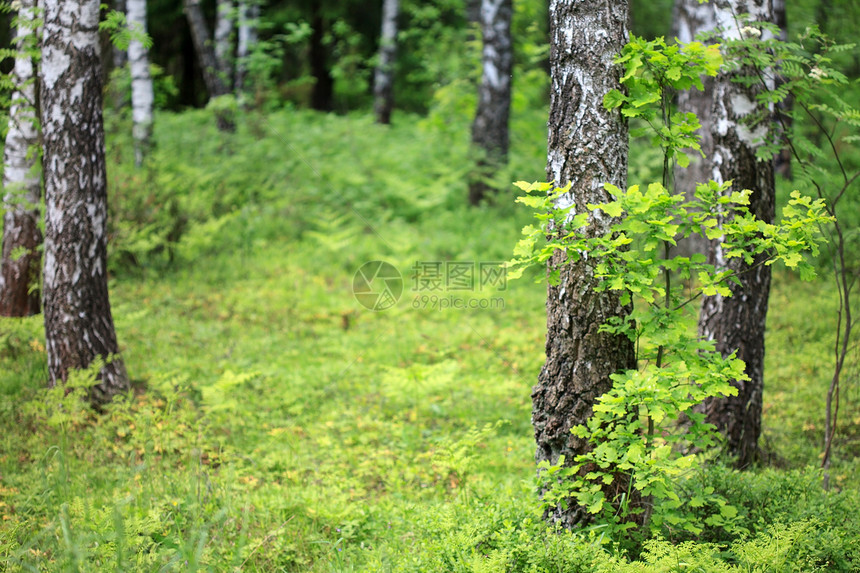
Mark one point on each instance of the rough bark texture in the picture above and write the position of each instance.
(208, 62)
(587, 147)
(490, 127)
(223, 40)
(142, 97)
(78, 323)
(249, 16)
(691, 19)
(22, 186)
(383, 79)
(738, 323)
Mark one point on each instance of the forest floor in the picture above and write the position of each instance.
(278, 425)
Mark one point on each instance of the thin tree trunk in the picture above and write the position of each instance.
(119, 60)
(383, 80)
(692, 19)
(782, 161)
(78, 323)
(22, 184)
(738, 323)
(223, 41)
(587, 147)
(215, 84)
(249, 17)
(141, 84)
(490, 127)
(322, 97)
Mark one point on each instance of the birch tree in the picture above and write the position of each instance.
(223, 40)
(587, 148)
(78, 323)
(249, 18)
(22, 183)
(490, 127)
(383, 79)
(692, 19)
(141, 82)
(215, 84)
(738, 323)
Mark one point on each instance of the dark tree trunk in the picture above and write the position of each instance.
(323, 92)
(22, 185)
(782, 161)
(738, 323)
(691, 19)
(473, 11)
(490, 128)
(383, 80)
(587, 147)
(119, 57)
(215, 84)
(78, 323)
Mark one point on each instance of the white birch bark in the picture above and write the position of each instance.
(223, 40)
(738, 323)
(249, 17)
(692, 19)
(490, 127)
(78, 323)
(21, 181)
(383, 79)
(587, 148)
(141, 83)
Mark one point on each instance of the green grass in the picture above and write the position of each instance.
(276, 425)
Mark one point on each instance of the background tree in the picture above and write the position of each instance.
(142, 95)
(22, 185)
(224, 40)
(490, 128)
(215, 83)
(383, 80)
(119, 57)
(691, 19)
(587, 148)
(249, 19)
(738, 323)
(78, 323)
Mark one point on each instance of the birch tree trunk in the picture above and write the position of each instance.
(215, 84)
(249, 17)
(490, 127)
(738, 323)
(691, 19)
(22, 184)
(383, 80)
(587, 147)
(223, 43)
(78, 323)
(141, 83)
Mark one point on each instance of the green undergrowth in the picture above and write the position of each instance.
(277, 425)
